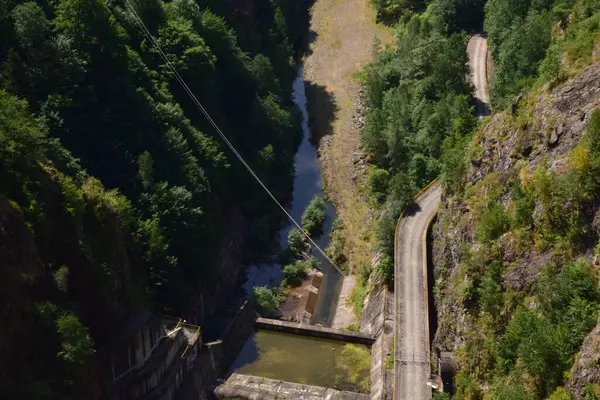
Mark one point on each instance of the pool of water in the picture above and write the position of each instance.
(306, 360)
(307, 184)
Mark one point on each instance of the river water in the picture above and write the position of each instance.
(307, 184)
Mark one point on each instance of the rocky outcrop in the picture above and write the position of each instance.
(544, 127)
(586, 369)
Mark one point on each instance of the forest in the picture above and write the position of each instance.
(419, 109)
(115, 192)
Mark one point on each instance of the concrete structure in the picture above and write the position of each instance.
(215, 358)
(344, 314)
(151, 359)
(314, 331)
(252, 387)
(163, 359)
(411, 357)
(377, 320)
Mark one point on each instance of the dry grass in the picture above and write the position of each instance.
(345, 32)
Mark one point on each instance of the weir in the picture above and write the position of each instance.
(314, 331)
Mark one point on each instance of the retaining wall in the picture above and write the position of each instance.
(315, 331)
(215, 358)
(377, 320)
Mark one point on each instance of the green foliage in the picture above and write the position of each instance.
(378, 182)
(61, 277)
(493, 223)
(524, 342)
(591, 392)
(353, 328)
(466, 387)
(385, 267)
(419, 116)
(267, 299)
(560, 394)
(296, 241)
(354, 363)
(76, 342)
(313, 216)
(295, 273)
(521, 40)
(87, 103)
(357, 296)
(489, 290)
(145, 169)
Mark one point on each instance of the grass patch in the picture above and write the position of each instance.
(353, 328)
(357, 297)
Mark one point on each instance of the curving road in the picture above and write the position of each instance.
(412, 331)
(478, 51)
(411, 351)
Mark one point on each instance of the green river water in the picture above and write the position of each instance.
(306, 360)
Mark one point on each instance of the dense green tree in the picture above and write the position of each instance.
(124, 187)
(314, 216)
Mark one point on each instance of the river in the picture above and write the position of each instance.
(307, 184)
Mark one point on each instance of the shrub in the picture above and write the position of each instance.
(386, 269)
(490, 291)
(296, 241)
(267, 299)
(493, 223)
(77, 345)
(314, 216)
(357, 297)
(378, 182)
(295, 273)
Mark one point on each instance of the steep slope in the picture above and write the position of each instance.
(115, 192)
(516, 292)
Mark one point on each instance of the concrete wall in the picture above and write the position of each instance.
(152, 359)
(255, 388)
(216, 358)
(377, 320)
(315, 331)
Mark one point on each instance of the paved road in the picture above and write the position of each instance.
(477, 50)
(411, 353)
(412, 336)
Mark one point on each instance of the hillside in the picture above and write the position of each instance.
(115, 194)
(516, 279)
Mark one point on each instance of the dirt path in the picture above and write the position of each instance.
(344, 32)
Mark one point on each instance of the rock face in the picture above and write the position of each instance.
(587, 366)
(541, 128)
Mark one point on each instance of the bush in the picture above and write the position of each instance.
(490, 291)
(267, 299)
(296, 241)
(378, 182)
(314, 216)
(295, 273)
(493, 223)
(77, 347)
(386, 269)
(357, 297)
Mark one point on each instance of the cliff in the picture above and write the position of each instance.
(527, 210)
